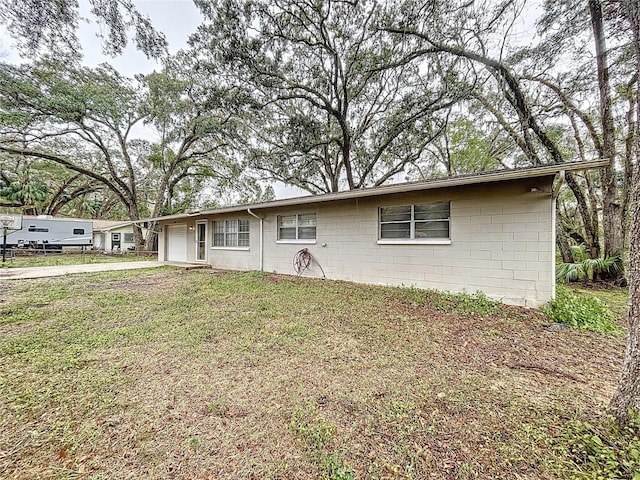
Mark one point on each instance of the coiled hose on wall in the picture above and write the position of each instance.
(302, 261)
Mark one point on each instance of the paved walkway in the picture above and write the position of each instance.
(59, 270)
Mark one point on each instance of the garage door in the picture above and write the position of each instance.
(177, 243)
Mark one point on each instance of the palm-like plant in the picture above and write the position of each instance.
(586, 267)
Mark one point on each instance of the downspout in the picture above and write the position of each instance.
(261, 238)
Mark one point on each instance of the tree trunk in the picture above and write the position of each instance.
(346, 155)
(611, 211)
(134, 214)
(151, 242)
(561, 237)
(589, 218)
(627, 397)
(138, 237)
(629, 157)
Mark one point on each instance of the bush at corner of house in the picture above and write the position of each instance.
(580, 311)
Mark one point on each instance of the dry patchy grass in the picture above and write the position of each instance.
(170, 374)
(55, 259)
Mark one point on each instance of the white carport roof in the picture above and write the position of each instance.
(107, 225)
(461, 180)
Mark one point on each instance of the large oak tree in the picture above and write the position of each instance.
(334, 107)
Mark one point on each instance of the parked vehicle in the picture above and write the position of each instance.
(48, 233)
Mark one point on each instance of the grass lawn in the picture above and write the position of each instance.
(617, 299)
(171, 374)
(53, 259)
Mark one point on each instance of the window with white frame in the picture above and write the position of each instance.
(128, 238)
(425, 221)
(297, 227)
(231, 233)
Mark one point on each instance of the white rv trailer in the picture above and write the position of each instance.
(48, 233)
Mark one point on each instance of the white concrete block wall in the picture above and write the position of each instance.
(235, 258)
(501, 243)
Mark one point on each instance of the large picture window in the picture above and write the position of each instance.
(297, 227)
(426, 221)
(231, 233)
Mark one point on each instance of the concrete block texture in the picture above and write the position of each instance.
(500, 242)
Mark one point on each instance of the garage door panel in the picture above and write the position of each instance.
(177, 243)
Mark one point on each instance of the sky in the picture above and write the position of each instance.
(177, 19)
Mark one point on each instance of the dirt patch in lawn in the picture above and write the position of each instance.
(230, 375)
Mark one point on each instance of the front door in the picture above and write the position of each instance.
(115, 241)
(201, 241)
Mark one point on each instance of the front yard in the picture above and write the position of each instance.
(54, 259)
(171, 374)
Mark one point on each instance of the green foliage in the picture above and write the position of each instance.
(586, 267)
(50, 102)
(40, 187)
(617, 299)
(335, 470)
(30, 193)
(470, 150)
(580, 311)
(601, 450)
(473, 304)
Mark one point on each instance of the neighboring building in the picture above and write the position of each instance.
(492, 232)
(113, 236)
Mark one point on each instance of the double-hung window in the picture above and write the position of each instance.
(231, 233)
(299, 227)
(420, 222)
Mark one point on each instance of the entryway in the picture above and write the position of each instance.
(201, 241)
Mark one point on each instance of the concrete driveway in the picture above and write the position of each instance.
(59, 270)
